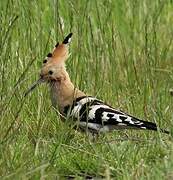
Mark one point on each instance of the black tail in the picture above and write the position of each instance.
(150, 126)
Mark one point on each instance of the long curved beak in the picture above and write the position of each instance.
(33, 86)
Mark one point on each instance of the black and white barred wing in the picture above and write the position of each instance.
(94, 115)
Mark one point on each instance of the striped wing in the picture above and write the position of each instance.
(97, 116)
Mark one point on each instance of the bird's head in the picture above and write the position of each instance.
(53, 68)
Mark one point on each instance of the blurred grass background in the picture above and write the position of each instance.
(121, 52)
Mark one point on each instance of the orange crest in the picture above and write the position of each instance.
(60, 53)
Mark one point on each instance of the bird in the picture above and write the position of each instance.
(89, 113)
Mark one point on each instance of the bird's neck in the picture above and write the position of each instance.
(63, 92)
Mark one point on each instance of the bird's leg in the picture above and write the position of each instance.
(92, 136)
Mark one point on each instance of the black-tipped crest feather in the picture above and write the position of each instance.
(67, 39)
(49, 55)
(57, 44)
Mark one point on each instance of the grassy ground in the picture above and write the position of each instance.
(121, 52)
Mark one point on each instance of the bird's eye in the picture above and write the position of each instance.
(50, 72)
(45, 61)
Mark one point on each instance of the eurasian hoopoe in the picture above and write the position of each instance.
(91, 114)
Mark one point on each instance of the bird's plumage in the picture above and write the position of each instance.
(90, 113)
(96, 116)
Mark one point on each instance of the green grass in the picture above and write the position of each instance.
(122, 52)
